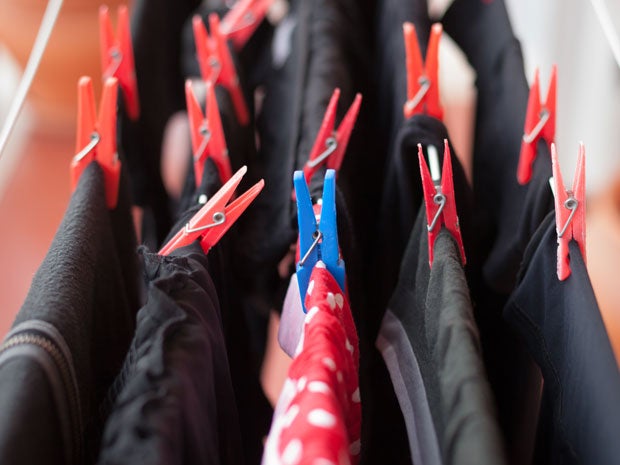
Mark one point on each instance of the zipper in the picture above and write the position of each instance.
(42, 341)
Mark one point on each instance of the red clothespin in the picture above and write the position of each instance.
(570, 211)
(207, 134)
(422, 78)
(439, 198)
(539, 123)
(330, 146)
(243, 19)
(117, 57)
(96, 137)
(212, 221)
(216, 64)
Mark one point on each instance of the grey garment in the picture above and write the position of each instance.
(438, 334)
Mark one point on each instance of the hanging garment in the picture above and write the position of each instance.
(174, 397)
(239, 322)
(318, 415)
(506, 213)
(156, 33)
(314, 51)
(70, 337)
(431, 345)
(562, 328)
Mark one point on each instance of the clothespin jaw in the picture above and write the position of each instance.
(317, 242)
(439, 200)
(117, 58)
(207, 134)
(243, 19)
(570, 211)
(216, 64)
(539, 124)
(96, 136)
(330, 146)
(215, 218)
(422, 77)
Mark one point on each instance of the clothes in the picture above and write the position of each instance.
(318, 414)
(431, 346)
(226, 268)
(506, 213)
(70, 337)
(175, 399)
(561, 325)
(156, 33)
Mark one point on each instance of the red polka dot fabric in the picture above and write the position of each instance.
(318, 415)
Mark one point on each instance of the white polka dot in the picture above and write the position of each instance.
(300, 345)
(355, 397)
(349, 346)
(320, 264)
(339, 300)
(322, 462)
(339, 376)
(301, 383)
(355, 447)
(319, 387)
(311, 314)
(289, 417)
(292, 452)
(321, 418)
(331, 300)
(311, 287)
(329, 363)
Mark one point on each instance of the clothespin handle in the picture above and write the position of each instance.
(439, 199)
(117, 58)
(422, 77)
(330, 145)
(207, 134)
(216, 64)
(540, 122)
(243, 19)
(96, 136)
(570, 210)
(215, 218)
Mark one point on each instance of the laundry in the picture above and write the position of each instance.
(277, 251)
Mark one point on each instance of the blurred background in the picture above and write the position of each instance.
(34, 175)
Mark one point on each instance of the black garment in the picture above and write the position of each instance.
(175, 399)
(507, 214)
(431, 345)
(70, 337)
(156, 27)
(562, 327)
(327, 51)
(227, 269)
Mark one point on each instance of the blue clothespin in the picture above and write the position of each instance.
(317, 242)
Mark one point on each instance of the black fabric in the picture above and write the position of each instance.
(176, 404)
(241, 329)
(156, 27)
(87, 290)
(562, 327)
(434, 308)
(507, 214)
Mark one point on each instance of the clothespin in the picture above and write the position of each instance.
(330, 146)
(317, 242)
(216, 64)
(422, 77)
(243, 19)
(570, 210)
(117, 57)
(96, 137)
(439, 198)
(212, 221)
(539, 123)
(207, 134)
